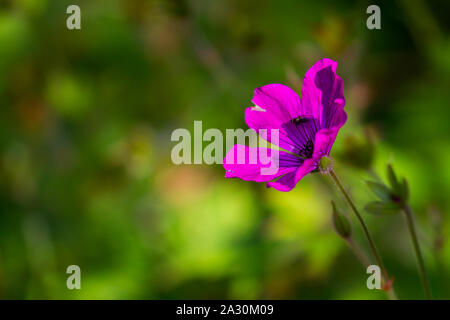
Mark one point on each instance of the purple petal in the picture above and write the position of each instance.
(279, 101)
(323, 142)
(300, 133)
(275, 105)
(290, 180)
(263, 123)
(258, 164)
(322, 92)
(339, 119)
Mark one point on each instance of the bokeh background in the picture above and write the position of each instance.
(86, 176)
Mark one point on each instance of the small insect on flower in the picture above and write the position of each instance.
(306, 127)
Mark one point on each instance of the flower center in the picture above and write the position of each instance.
(307, 150)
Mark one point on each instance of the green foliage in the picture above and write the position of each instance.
(393, 182)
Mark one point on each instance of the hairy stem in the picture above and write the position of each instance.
(362, 257)
(412, 230)
(357, 251)
(373, 248)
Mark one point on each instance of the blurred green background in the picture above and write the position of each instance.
(85, 171)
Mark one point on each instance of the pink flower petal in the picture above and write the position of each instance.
(275, 105)
(258, 164)
(322, 92)
(280, 103)
(263, 122)
(339, 118)
(290, 180)
(323, 142)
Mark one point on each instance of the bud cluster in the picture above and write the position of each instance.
(392, 197)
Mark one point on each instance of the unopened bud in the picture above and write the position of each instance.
(341, 223)
(392, 178)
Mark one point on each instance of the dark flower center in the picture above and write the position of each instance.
(302, 131)
(307, 150)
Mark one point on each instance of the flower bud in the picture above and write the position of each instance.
(405, 190)
(341, 223)
(392, 178)
(400, 190)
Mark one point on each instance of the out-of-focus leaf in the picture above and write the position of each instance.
(380, 190)
(358, 152)
(382, 208)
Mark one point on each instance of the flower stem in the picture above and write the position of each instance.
(360, 255)
(364, 227)
(412, 230)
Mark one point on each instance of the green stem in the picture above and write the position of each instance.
(363, 225)
(412, 230)
(360, 255)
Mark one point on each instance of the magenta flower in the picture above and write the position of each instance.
(307, 128)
